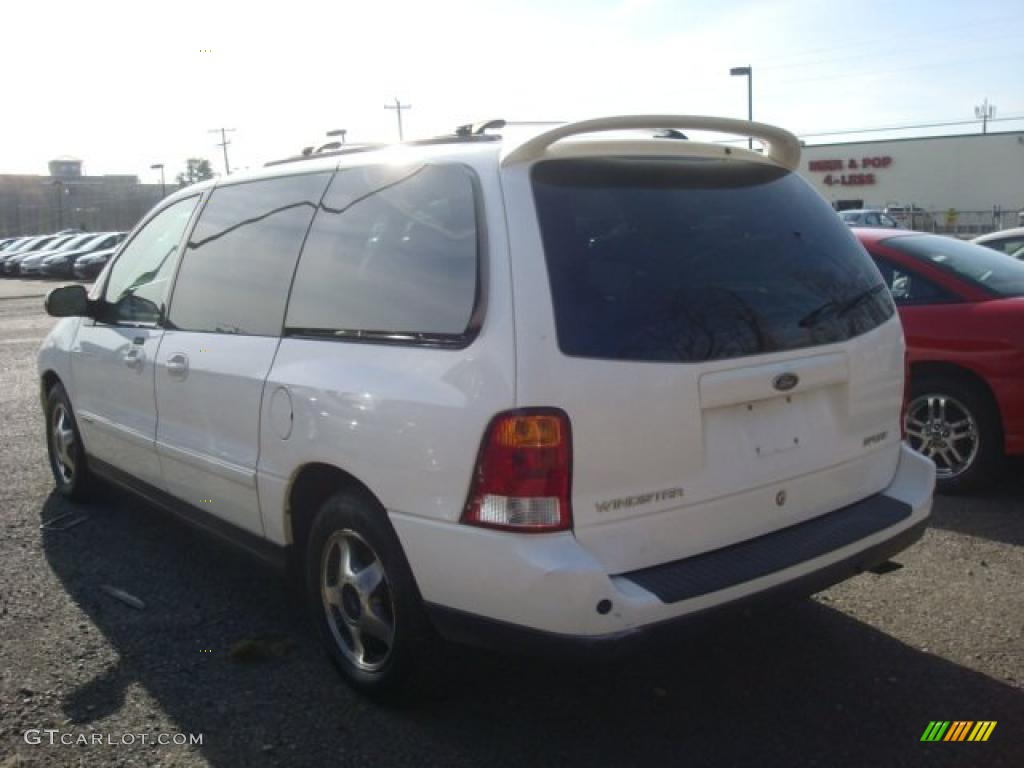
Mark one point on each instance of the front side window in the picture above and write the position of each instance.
(688, 260)
(239, 260)
(391, 256)
(139, 279)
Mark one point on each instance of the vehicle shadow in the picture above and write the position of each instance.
(995, 513)
(805, 686)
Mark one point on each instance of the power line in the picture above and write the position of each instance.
(882, 129)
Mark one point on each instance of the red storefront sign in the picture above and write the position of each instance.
(849, 179)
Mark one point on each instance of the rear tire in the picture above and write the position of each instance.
(362, 596)
(65, 448)
(954, 422)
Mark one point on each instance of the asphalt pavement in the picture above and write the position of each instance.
(851, 677)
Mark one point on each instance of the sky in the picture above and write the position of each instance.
(124, 85)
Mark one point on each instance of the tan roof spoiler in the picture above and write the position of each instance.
(781, 145)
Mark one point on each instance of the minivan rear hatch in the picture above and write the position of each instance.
(726, 351)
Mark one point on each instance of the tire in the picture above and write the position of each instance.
(65, 449)
(941, 407)
(371, 621)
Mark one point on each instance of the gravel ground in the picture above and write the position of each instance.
(849, 678)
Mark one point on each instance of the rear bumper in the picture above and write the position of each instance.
(462, 627)
(524, 591)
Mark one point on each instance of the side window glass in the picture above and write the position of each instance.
(909, 287)
(239, 261)
(392, 254)
(871, 219)
(139, 279)
(1010, 246)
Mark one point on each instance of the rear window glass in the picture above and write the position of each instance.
(997, 272)
(690, 260)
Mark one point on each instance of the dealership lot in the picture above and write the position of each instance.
(851, 677)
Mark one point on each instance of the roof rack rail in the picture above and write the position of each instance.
(782, 146)
(478, 129)
(308, 153)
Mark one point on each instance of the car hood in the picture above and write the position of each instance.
(97, 255)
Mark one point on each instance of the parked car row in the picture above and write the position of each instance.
(62, 255)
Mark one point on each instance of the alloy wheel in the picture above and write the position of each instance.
(357, 600)
(63, 443)
(944, 430)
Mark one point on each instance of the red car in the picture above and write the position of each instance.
(962, 307)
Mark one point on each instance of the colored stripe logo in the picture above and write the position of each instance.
(958, 730)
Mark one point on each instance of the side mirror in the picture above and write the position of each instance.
(68, 301)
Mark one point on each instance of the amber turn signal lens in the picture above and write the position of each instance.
(530, 432)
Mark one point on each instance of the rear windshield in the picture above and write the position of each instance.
(988, 269)
(690, 260)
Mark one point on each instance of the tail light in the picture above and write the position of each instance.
(523, 473)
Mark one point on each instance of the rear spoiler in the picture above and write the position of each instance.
(781, 146)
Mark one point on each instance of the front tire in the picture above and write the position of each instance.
(955, 423)
(362, 595)
(65, 448)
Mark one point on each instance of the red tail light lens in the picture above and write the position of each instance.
(523, 473)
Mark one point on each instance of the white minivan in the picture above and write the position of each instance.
(567, 391)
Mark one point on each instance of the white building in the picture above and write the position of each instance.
(964, 184)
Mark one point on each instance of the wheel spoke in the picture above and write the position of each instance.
(368, 579)
(375, 626)
(358, 649)
(956, 454)
(345, 572)
(942, 409)
(332, 596)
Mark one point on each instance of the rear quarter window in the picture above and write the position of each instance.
(392, 256)
(684, 260)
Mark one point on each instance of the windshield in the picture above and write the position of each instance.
(75, 242)
(991, 270)
(689, 260)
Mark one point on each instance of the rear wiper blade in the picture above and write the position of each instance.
(838, 308)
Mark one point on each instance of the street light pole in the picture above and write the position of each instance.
(748, 72)
(163, 186)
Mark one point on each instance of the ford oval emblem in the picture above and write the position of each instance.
(785, 381)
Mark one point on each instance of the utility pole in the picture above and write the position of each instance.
(398, 107)
(985, 112)
(224, 143)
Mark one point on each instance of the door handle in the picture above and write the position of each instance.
(177, 365)
(134, 357)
